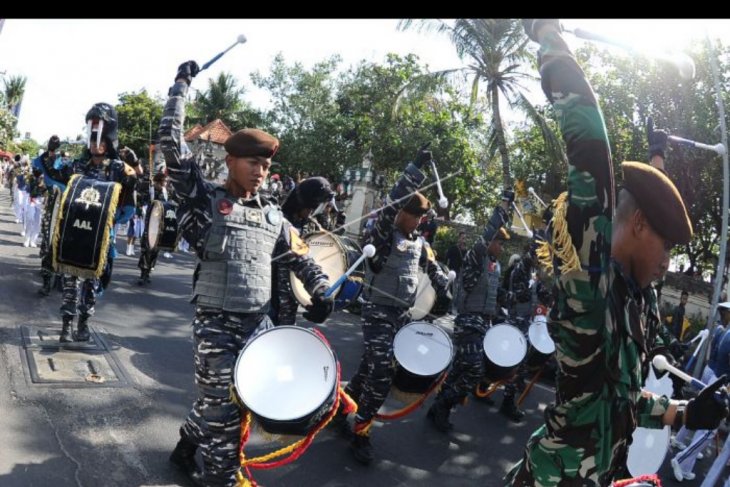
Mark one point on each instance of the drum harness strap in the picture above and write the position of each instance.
(296, 449)
(405, 411)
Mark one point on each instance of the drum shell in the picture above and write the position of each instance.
(167, 233)
(536, 358)
(425, 294)
(427, 344)
(340, 254)
(273, 352)
(516, 343)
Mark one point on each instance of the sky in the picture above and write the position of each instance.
(72, 64)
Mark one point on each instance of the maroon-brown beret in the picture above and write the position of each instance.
(659, 200)
(252, 143)
(417, 205)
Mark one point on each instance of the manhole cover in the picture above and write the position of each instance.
(76, 364)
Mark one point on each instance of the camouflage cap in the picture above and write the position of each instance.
(659, 200)
(417, 205)
(252, 143)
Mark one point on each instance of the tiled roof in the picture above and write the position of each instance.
(216, 130)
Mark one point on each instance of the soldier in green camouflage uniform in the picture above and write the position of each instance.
(603, 262)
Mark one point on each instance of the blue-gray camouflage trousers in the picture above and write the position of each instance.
(371, 384)
(467, 368)
(214, 423)
(78, 294)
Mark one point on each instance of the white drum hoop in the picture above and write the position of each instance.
(328, 252)
(285, 373)
(505, 345)
(423, 349)
(154, 221)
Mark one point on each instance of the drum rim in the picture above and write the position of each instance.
(412, 308)
(283, 327)
(422, 322)
(343, 256)
(154, 206)
(521, 334)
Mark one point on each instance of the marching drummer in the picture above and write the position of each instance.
(477, 306)
(236, 234)
(605, 257)
(392, 282)
(148, 256)
(100, 162)
(299, 205)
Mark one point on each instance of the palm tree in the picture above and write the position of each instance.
(13, 92)
(221, 100)
(495, 50)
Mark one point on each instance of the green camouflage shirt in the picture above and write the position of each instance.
(598, 321)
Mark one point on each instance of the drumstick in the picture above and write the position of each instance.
(661, 363)
(452, 276)
(519, 213)
(531, 190)
(367, 252)
(443, 200)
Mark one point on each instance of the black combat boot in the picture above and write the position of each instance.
(66, 329)
(183, 457)
(439, 414)
(45, 289)
(361, 448)
(339, 423)
(144, 278)
(82, 331)
(510, 409)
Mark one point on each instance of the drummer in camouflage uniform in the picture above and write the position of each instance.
(236, 234)
(604, 259)
(391, 285)
(477, 307)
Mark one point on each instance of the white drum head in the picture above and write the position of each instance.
(505, 345)
(425, 297)
(285, 373)
(423, 348)
(540, 338)
(647, 452)
(155, 220)
(329, 254)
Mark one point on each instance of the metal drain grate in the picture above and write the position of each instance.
(77, 364)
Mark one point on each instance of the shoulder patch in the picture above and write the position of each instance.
(297, 245)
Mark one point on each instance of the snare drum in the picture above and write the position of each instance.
(84, 220)
(505, 347)
(423, 351)
(334, 254)
(542, 345)
(287, 377)
(161, 227)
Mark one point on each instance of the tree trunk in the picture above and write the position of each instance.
(499, 132)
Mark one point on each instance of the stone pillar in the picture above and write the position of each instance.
(362, 200)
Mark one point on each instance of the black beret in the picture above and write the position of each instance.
(659, 200)
(252, 143)
(417, 205)
(313, 191)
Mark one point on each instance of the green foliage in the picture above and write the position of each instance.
(223, 100)
(445, 237)
(7, 127)
(26, 146)
(139, 117)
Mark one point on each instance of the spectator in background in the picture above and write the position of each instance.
(678, 316)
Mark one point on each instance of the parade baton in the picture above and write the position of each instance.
(443, 200)
(531, 190)
(717, 148)
(524, 224)
(240, 40)
(367, 251)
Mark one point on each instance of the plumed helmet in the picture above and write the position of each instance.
(102, 124)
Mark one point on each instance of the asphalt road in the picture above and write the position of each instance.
(122, 436)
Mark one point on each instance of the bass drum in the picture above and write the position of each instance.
(505, 348)
(334, 254)
(287, 377)
(161, 227)
(423, 351)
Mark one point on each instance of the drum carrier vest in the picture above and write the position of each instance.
(483, 297)
(235, 272)
(397, 282)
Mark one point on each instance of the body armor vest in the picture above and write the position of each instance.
(483, 297)
(235, 272)
(397, 282)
